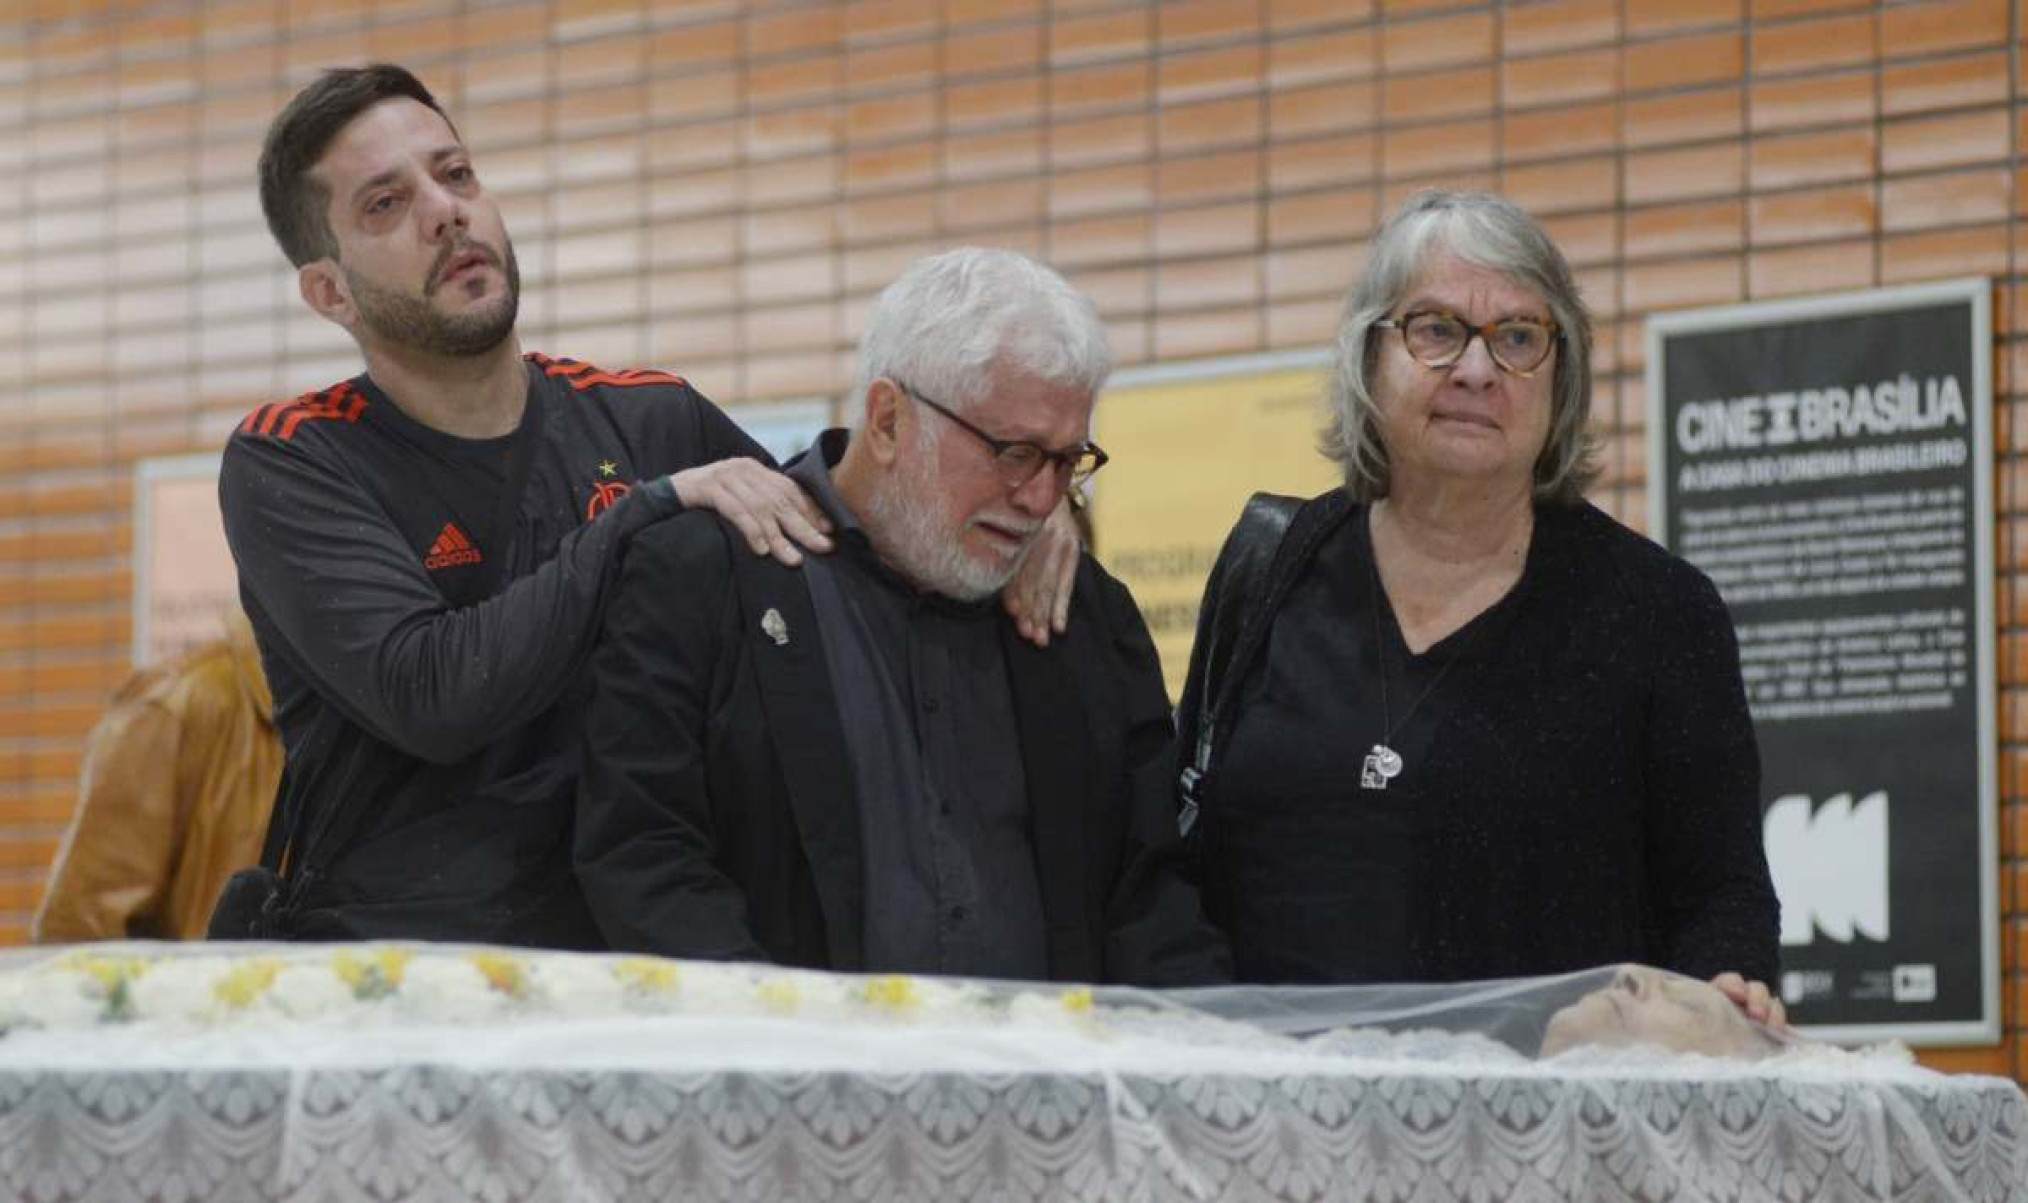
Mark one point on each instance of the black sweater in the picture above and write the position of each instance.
(1585, 790)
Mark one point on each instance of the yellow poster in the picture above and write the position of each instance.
(1189, 444)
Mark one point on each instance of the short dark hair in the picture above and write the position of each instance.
(296, 205)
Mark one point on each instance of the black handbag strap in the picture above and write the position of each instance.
(1243, 583)
(1253, 576)
(279, 835)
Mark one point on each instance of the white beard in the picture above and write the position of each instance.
(914, 541)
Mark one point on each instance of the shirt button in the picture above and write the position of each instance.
(930, 705)
(958, 913)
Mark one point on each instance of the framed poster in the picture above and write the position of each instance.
(1827, 461)
(1190, 442)
(184, 580)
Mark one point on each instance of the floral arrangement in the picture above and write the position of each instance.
(364, 983)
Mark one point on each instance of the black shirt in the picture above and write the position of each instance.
(417, 634)
(948, 870)
(1326, 862)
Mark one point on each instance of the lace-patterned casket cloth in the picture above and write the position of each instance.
(377, 1072)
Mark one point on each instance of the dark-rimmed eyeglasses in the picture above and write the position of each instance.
(1018, 461)
(1437, 338)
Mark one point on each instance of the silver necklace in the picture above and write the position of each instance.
(1383, 764)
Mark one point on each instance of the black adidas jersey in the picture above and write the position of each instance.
(417, 654)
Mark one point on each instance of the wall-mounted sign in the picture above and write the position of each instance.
(1189, 443)
(1828, 463)
(184, 581)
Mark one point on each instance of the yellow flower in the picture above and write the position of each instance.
(1078, 1001)
(892, 992)
(502, 972)
(779, 994)
(245, 982)
(377, 974)
(350, 969)
(108, 978)
(647, 975)
(392, 963)
(110, 973)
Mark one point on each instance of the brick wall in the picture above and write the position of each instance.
(719, 188)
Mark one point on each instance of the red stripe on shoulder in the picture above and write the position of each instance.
(341, 402)
(626, 379)
(554, 367)
(582, 376)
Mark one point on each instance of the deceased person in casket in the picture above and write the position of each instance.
(1653, 1007)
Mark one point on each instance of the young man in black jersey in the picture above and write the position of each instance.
(424, 549)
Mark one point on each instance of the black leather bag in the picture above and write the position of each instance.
(250, 907)
(254, 903)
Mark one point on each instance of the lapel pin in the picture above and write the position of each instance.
(774, 627)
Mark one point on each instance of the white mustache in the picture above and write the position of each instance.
(1018, 529)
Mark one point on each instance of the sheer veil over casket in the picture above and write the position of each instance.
(411, 1071)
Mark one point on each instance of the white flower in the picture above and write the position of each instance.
(309, 991)
(13, 988)
(57, 998)
(438, 988)
(575, 987)
(709, 989)
(820, 995)
(179, 990)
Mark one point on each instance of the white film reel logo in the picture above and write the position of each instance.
(1829, 866)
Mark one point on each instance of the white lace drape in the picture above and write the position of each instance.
(424, 1132)
(385, 1073)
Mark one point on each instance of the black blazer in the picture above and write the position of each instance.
(716, 813)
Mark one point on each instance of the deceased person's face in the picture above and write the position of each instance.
(1645, 1006)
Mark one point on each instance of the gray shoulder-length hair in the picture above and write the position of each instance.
(1492, 233)
(949, 318)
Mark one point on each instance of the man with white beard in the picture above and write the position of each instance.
(858, 766)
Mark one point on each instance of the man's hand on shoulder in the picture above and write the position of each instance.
(771, 511)
(1038, 598)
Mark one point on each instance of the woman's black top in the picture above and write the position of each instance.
(1580, 783)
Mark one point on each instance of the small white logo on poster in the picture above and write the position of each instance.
(1802, 985)
(1914, 983)
(1829, 867)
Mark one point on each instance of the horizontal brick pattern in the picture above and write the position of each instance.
(721, 188)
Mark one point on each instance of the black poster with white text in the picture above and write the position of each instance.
(1827, 464)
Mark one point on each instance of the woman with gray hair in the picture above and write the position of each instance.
(1449, 720)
